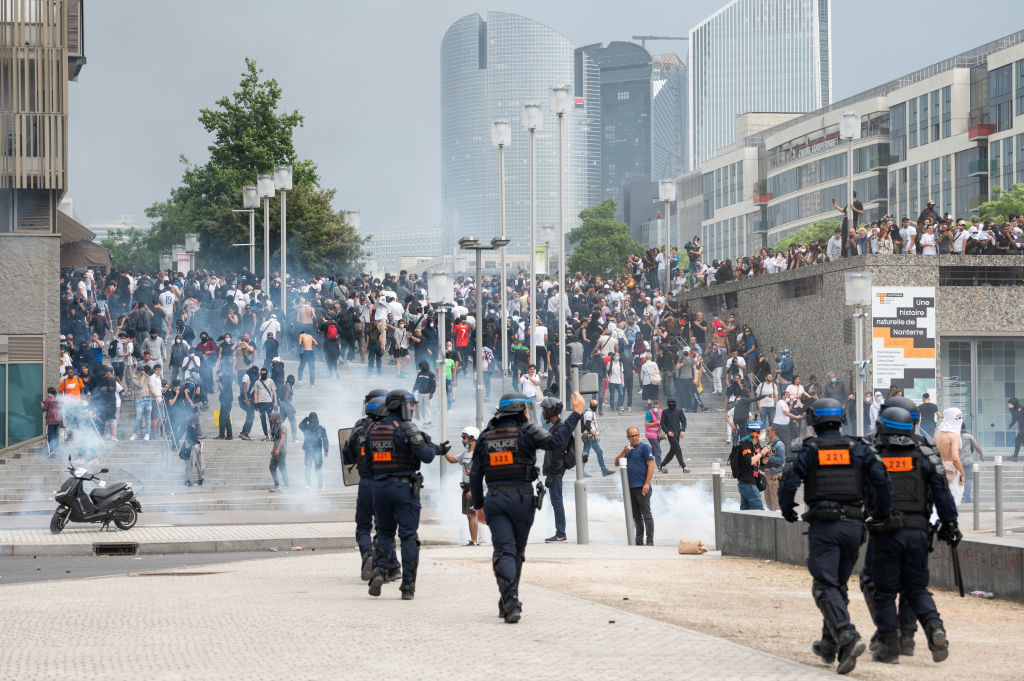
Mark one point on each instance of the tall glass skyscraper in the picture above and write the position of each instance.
(756, 55)
(668, 117)
(489, 71)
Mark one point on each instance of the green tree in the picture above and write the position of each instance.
(250, 136)
(129, 249)
(1005, 203)
(601, 244)
(822, 229)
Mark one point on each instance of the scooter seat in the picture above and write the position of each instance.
(105, 492)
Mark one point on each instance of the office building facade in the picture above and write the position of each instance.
(754, 56)
(43, 51)
(489, 71)
(669, 111)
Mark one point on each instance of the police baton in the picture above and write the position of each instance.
(957, 577)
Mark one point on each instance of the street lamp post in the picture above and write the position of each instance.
(251, 201)
(282, 183)
(471, 243)
(531, 121)
(559, 105)
(439, 285)
(265, 184)
(667, 193)
(501, 137)
(849, 130)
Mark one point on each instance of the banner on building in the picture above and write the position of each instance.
(903, 340)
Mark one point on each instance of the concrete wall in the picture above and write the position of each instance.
(986, 564)
(812, 326)
(29, 293)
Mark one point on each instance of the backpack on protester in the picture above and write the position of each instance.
(112, 349)
(332, 331)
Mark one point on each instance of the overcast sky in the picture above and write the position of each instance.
(366, 76)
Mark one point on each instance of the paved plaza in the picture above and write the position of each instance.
(308, 617)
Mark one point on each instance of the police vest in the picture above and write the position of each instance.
(503, 458)
(910, 492)
(832, 474)
(386, 456)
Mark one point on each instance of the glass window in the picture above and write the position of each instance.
(947, 184)
(912, 123)
(936, 192)
(739, 181)
(1007, 164)
(922, 128)
(898, 133)
(1019, 67)
(6, 203)
(3, 405)
(903, 192)
(912, 183)
(956, 378)
(1000, 97)
(947, 111)
(936, 115)
(993, 162)
(708, 181)
(1020, 158)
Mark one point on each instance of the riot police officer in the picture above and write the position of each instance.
(397, 448)
(899, 545)
(355, 453)
(506, 457)
(907, 618)
(833, 469)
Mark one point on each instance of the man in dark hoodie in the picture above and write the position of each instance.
(315, 446)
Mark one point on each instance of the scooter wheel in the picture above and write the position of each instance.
(125, 517)
(59, 520)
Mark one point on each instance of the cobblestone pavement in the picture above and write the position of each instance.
(309, 617)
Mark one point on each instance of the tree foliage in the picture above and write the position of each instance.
(250, 136)
(822, 229)
(601, 244)
(1005, 203)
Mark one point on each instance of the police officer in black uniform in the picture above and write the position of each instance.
(355, 453)
(900, 545)
(833, 469)
(907, 618)
(506, 457)
(397, 448)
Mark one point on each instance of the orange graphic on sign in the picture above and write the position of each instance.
(501, 458)
(905, 344)
(833, 457)
(382, 456)
(898, 464)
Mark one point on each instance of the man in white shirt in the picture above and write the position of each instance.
(834, 248)
(529, 385)
(908, 234)
(960, 235)
(271, 326)
(540, 346)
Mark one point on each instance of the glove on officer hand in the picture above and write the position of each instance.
(790, 516)
(950, 533)
(445, 447)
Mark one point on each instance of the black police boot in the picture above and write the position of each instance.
(888, 648)
(849, 647)
(825, 647)
(394, 572)
(367, 569)
(513, 611)
(907, 642)
(408, 590)
(937, 642)
(376, 582)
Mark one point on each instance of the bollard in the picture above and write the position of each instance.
(627, 503)
(999, 496)
(580, 485)
(976, 494)
(716, 490)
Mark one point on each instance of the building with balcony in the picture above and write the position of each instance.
(41, 50)
(952, 132)
(490, 69)
(755, 55)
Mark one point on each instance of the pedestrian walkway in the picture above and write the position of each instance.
(309, 617)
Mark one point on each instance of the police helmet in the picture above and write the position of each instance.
(903, 403)
(376, 392)
(513, 403)
(401, 403)
(472, 432)
(895, 421)
(550, 406)
(755, 426)
(825, 410)
(376, 407)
